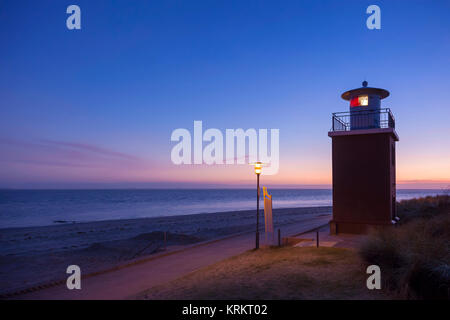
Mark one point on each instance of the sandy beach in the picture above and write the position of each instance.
(27, 253)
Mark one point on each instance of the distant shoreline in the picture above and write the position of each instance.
(60, 223)
(37, 208)
(432, 186)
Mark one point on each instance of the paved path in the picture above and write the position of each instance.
(349, 241)
(129, 281)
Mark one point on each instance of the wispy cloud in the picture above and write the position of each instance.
(90, 148)
(61, 153)
(424, 181)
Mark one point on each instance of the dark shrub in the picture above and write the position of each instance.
(428, 282)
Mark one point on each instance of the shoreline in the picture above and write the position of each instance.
(42, 208)
(26, 253)
(58, 223)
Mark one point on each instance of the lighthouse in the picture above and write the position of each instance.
(363, 163)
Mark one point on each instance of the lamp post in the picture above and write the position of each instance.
(258, 169)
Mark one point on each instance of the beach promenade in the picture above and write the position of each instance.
(127, 282)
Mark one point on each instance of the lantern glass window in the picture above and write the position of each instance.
(363, 100)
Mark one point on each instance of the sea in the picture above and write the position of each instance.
(25, 208)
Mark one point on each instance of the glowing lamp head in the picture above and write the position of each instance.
(359, 101)
(258, 167)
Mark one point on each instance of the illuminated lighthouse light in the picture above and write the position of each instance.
(363, 100)
(359, 101)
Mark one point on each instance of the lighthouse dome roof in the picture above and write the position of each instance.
(382, 93)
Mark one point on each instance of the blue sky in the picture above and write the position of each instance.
(97, 106)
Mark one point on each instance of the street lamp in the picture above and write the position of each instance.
(258, 168)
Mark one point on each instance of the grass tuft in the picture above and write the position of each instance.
(415, 257)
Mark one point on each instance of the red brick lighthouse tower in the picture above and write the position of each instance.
(363, 151)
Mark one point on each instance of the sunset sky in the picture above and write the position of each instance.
(96, 107)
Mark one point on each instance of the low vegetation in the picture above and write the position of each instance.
(414, 257)
(275, 273)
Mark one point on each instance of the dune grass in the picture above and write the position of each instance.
(275, 273)
(428, 207)
(415, 256)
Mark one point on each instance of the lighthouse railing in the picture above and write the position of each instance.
(364, 119)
